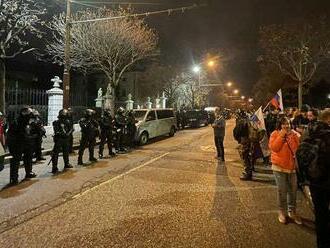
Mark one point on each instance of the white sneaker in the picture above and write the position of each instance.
(296, 218)
(282, 217)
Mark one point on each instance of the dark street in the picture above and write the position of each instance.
(169, 193)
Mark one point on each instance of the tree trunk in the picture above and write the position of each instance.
(2, 86)
(300, 96)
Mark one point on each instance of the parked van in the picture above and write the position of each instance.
(153, 123)
(196, 118)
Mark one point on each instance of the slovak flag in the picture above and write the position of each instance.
(277, 100)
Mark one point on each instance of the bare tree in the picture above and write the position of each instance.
(191, 92)
(109, 46)
(161, 78)
(18, 18)
(296, 49)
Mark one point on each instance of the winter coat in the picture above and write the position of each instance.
(283, 150)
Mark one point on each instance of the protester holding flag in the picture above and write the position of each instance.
(283, 144)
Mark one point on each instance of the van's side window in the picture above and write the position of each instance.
(151, 116)
(162, 114)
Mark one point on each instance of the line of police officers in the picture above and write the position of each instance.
(26, 132)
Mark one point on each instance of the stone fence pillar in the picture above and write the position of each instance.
(163, 101)
(55, 100)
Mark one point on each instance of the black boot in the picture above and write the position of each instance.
(93, 159)
(68, 166)
(80, 162)
(54, 170)
(13, 182)
(30, 175)
(246, 177)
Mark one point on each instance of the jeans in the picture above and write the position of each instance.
(286, 190)
(218, 140)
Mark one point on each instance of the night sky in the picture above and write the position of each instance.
(228, 26)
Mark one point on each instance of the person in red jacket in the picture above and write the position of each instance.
(283, 144)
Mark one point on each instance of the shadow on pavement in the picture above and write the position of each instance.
(9, 191)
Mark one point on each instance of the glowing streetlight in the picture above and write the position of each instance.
(211, 63)
(235, 92)
(196, 69)
(242, 97)
(229, 84)
(329, 96)
(250, 100)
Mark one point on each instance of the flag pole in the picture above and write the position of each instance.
(266, 106)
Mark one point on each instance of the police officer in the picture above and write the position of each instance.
(62, 131)
(20, 143)
(131, 128)
(106, 126)
(70, 118)
(120, 125)
(39, 132)
(89, 131)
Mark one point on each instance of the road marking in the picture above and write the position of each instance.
(119, 176)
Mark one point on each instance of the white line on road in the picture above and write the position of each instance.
(119, 176)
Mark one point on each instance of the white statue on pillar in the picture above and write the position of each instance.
(55, 100)
(129, 102)
(163, 101)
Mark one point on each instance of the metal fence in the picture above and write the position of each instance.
(17, 98)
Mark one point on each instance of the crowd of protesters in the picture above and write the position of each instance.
(299, 144)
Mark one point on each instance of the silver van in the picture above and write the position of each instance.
(153, 123)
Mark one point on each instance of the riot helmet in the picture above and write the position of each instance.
(107, 112)
(89, 113)
(26, 112)
(35, 113)
(120, 111)
(63, 113)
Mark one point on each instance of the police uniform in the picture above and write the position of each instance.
(106, 126)
(120, 125)
(62, 132)
(39, 132)
(89, 131)
(20, 142)
(131, 129)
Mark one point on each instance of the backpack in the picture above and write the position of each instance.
(241, 130)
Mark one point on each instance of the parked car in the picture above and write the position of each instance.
(153, 123)
(196, 118)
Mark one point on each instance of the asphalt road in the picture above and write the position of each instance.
(169, 193)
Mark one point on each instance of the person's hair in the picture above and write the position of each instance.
(281, 120)
(314, 111)
(296, 113)
(325, 115)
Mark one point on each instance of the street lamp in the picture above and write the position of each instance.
(211, 63)
(250, 100)
(229, 84)
(235, 92)
(242, 97)
(197, 69)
